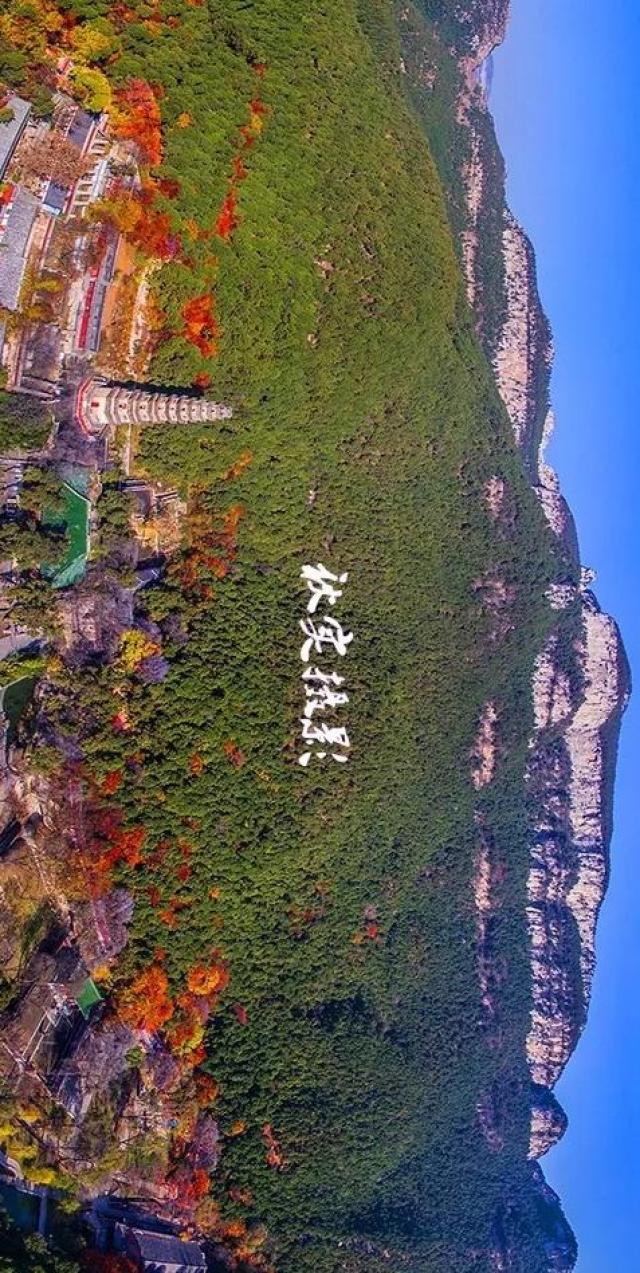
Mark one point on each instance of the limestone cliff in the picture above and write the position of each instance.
(581, 678)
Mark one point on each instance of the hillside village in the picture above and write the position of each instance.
(73, 341)
(73, 299)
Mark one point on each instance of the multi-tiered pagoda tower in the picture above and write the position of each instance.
(101, 405)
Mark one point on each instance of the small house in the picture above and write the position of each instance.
(156, 1252)
(12, 128)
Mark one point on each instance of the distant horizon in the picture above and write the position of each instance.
(574, 183)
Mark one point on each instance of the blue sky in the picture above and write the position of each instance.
(566, 98)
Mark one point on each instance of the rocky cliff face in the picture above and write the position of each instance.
(475, 27)
(570, 774)
(498, 258)
(581, 679)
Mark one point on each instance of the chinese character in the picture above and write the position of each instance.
(307, 755)
(331, 735)
(325, 678)
(321, 583)
(330, 632)
(322, 698)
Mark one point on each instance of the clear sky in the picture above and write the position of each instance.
(566, 98)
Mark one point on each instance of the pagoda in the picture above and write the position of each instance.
(101, 405)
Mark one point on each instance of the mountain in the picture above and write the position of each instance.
(311, 713)
(581, 682)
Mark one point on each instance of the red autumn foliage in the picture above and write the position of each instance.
(201, 325)
(198, 1055)
(260, 69)
(184, 872)
(239, 168)
(210, 550)
(184, 1034)
(191, 1186)
(228, 220)
(274, 1155)
(154, 895)
(146, 1003)
(235, 1229)
(196, 764)
(202, 380)
(127, 846)
(111, 782)
(120, 723)
(138, 119)
(168, 187)
(97, 1262)
(241, 1013)
(207, 1090)
(248, 136)
(105, 820)
(169, 915)
(234, 753)
(133, 213)
(154, 235)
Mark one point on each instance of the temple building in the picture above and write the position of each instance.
(101, 405)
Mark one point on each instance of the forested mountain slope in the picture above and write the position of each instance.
(308, 1046)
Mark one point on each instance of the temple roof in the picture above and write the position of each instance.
(10, 132)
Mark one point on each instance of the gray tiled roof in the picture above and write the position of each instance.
(13, 243)
(165, 1250)
(10, 133)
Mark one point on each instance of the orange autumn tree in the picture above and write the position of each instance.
(111, 782)
(136, 117)
(234, 753)
(185, 1033)
(211, 549)
(147, 227)
(146, 1003)
(201, 326)
(228, 220)
(127, 846)
(209, 981)
(238, 467)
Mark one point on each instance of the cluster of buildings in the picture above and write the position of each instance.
(61, 274)
(47, 241)
(59, 268)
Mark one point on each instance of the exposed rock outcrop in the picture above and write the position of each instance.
(484, 756)
(524, 353)
(548, 1122)
(479, 26)
(581, 678)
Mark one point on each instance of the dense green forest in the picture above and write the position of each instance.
(25, 424)
(300, 210)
